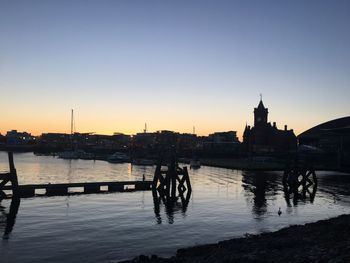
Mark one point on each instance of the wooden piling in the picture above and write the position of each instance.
(53, 190)
(300, 181)
(90, 189)
(26, 192)
(115, 187)
(10, 177)
(142, 186)
(165, 181)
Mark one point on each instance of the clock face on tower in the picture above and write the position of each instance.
(258, 119)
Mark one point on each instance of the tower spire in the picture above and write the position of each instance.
(260, 97)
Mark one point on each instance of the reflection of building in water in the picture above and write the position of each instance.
(260, 184)
(7, 221)
(266, 138)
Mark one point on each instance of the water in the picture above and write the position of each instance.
(116, 226)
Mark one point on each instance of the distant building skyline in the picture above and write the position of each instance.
(174, 65)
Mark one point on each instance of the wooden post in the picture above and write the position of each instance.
(169, 184)
(11, 217)
(9, 177)
(299, 180)
(173, 175)
(13, 172)
(187, 178)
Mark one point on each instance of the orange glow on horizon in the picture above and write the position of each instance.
(97, 121)
(125, 130)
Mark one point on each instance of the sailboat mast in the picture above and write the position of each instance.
(71, 122)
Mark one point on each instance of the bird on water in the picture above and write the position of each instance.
(279, 212)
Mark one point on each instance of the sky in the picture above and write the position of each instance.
(172, 64)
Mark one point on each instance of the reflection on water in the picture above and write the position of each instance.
(223, 204)
(7, 220)
(180, 203)
(171, 187)
(268, 184)
(299, 184)
(304, 193)
(260, 184)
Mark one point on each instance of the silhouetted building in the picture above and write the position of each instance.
(86, 141)
(55, 140)
(143, 144)
(265, 138)
(148, 144)
(19, 138)
(333, 137)
(117, 141)
(2, 139)
(186, 144)
(221, 143)
(223, 137)
(166, 138)
(144, 139)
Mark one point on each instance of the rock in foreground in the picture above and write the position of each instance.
(323, 241)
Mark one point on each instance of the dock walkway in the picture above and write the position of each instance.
(73, 188)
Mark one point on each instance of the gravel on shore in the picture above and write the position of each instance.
(322, 241)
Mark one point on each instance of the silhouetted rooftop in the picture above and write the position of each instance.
(337, 124)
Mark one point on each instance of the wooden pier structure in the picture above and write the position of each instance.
(171, 186)
(73, 188)
(9, 182)
(10, 177)
(299, 180)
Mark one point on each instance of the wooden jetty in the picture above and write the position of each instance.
(73, 188)
(299, 180)
(63, 188)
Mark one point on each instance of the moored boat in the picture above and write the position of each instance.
(118, 157)
(143, 162)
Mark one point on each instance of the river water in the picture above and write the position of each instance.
(111, 227)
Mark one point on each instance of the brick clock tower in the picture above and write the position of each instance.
(265, 138)
(260, 115)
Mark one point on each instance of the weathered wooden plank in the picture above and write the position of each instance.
(26, 192)
(56, 190)
(90, 187)
(66, 185)
(5, 176)
(142, 185)
(115, 187)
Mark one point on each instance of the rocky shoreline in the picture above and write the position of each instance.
(322, 241)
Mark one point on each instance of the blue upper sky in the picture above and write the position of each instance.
(172, 64)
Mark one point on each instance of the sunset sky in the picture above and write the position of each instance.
(172, 64)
